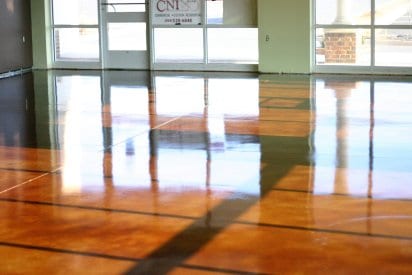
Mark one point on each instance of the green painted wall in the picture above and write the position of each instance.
(40, 34)
(287, 25)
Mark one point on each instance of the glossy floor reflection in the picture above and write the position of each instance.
(125, 172)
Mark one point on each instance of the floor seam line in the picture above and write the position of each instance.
(154, 128)
(28, 181)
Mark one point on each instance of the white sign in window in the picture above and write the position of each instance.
(177, 12)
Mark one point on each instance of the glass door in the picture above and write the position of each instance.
(125, 34)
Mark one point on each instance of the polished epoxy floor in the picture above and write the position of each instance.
(193, 173)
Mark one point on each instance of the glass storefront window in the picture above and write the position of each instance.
(76, 44)
(75, 12)
(232, 12)
(225, 32)
(230, 35)
(233, 45)
(76, 30)
(393, 47)
(178, 45)
(347, 34)
(343, 12)
(390, 12)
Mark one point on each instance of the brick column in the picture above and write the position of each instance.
(340, 46)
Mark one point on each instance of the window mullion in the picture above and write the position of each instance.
(373, 36)
(205, 33)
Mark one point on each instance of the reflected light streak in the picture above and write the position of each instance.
(222, 93)
(172, 95)
(10, 5)
(216, 129)
(72, 153)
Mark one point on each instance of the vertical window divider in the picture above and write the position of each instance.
(372, 28)
(205, 33)
(99, 21)
(313, 35)
(51, 30)
(150, 30)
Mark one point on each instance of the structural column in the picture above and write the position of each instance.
(343, 12)
(340, 44)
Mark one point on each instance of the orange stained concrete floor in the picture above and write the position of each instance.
(122, 172)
